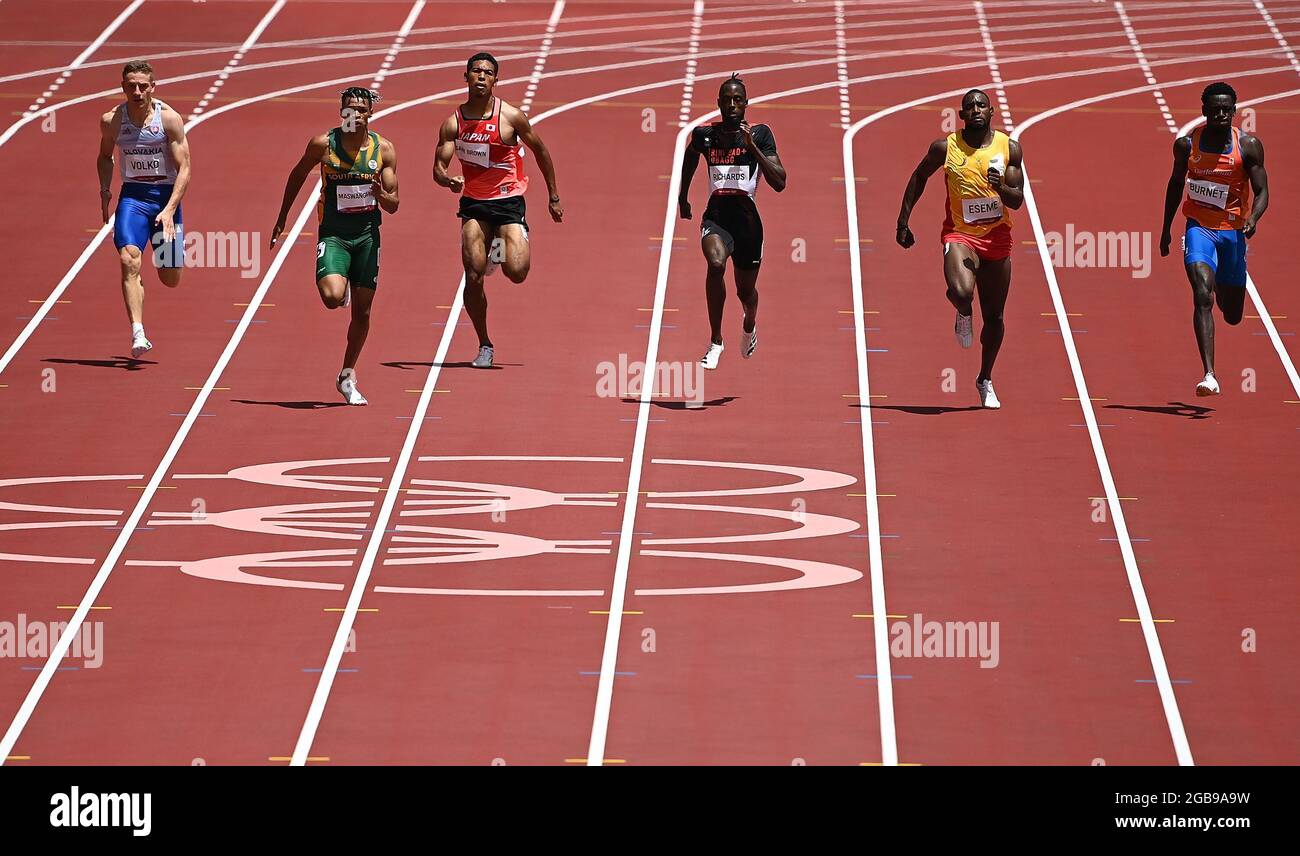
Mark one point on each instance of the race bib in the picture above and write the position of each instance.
(983, 210)
(733, 177)
(143, 164)
(354, 198)
(1208, 192)
(475, 153)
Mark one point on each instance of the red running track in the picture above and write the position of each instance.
(483, 620)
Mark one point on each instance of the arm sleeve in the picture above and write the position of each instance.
(764, 140)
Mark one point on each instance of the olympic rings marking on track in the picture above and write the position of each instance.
(415, 543)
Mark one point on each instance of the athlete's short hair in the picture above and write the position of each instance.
(483, 55)
(367, 95)
(971, 92)
(1219, 88)
(137, 65)
(734, 80)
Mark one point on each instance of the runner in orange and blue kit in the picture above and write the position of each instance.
(487, 135)
(984, 178)
(1212, 166)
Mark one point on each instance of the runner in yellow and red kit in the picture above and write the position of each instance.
(487, 135)
(1214, 164)
(984, 179)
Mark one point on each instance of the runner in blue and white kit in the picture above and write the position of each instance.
(148, 138)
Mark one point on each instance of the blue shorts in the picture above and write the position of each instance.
(138, 204)
(1224, 250)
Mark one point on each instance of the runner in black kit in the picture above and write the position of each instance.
(736, 152)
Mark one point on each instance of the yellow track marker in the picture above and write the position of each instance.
(4, 386)
(603, 761)
(1289, 401)
(1122, 498)
(1067, 315)
(73, 607)
(343, 609)
(18, 757)
(1156, 620)
(840, 177)
(864, 311)
(606, 612)
(860, 240)
(444, 307)
(69, 301)
(870, 615)
(661, 237)
(1248, 316)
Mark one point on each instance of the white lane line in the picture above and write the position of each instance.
(842, 67)
(876, 560)
(986, 35)
(237, 57)
(692, 61)
(84, 55)
(1256, 299)
(1146, 67)
(396, 46)
(533, 79)
(73, 628)
(1277, 34)
(1155, 652)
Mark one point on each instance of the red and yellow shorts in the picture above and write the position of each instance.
(993, 247)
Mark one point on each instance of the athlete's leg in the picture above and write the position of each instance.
(715, 286)
(1230, 278)
(360, 325)
(1232, 302)
(1201, 277)
(993, 280)
(960, 264)
(747, 291)
(333, 290)
(473, 254)
(132, 288)
(518, 254)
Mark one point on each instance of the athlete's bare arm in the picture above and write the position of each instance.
(934, 158)
(773, 171)
(690, 161)
(179, 146)
(1252, 151)
(317, 147)
(1174, 190)
(385, 184)
(109, 125)
(525, 134)
(442, 157)
(1011, 187)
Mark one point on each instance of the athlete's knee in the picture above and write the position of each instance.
(1203, 296)
(130, 258)
(516, 271)
(170, 277)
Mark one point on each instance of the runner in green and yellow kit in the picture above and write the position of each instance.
(358, 178)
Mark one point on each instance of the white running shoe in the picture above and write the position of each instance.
(496, 252)
(484, 358)
(347, 384)
(1209, 386)
(965, 329)
(988, 398)
(749, 342)
(139, 346)
(711, 357)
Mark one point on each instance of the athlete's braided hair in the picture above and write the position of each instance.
(734, 80)
(367, 95)
(1219, 88)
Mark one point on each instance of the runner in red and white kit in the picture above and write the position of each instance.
(487, 135)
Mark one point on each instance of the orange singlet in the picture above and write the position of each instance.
(1217, 190)
(493, 170)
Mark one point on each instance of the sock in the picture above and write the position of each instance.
(137, 330)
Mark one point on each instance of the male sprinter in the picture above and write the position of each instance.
(358, 170)
(984, 178)
(486, 134)
(154, 158)
(737, 153)
(1214, 163)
